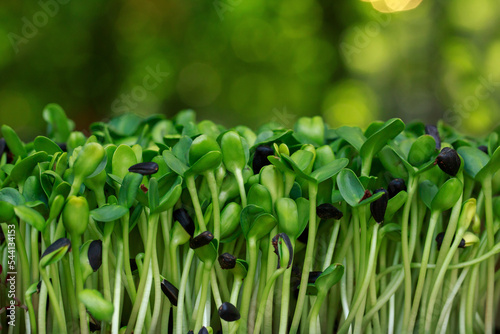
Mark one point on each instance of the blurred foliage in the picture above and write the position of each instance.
(251, 62)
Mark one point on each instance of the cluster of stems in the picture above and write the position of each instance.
(163, 225)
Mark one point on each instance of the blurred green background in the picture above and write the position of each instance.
(251, 62)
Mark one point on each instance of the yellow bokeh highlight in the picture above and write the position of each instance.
(392, 6)
(473, 15)
(480, 120)
(492, 63)
(350, 103)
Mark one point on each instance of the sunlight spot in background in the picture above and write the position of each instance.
(366, 50)
(480, 121)
(391, 6)
(473, 15)
(492, 63)
(350, 103)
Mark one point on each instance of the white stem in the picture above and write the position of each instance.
(145, 301)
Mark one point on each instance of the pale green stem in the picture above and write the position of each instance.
(196, 202)
(423, 270)
(212, 184)
(182, 290)
(75, 246)
(126, 258)
(152, 229)
(248, 286)
(308, 260)
(263, 300)
(115, 323)
(412, 185)
(55, 302)
(366, 282)
(436, 283)
(331, 245)
(144, 306)
(203, 297)
(158, 293)
(489, 320)
(217, 298)
(313, 316)
(241, 186)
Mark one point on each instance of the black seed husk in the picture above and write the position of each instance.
(182, 216)
(440, 238)
(379, 206)
(201, 240)
(144, 168)
(63, 146)
(313, 276)
(395, 186)
(304, 236)
(483, 148)
(170, 291)
(433, 131)
(227, 261)
(94, 326)
(328, 211)
(95, 254)
(203, 330)
(449, 161)
(59, 243)
(3, 146)
(260, 158)
(133, 265)
(229, 312)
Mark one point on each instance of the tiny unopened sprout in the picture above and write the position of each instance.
(229, 312)
(227, 261)
(260, 158)
(144, 168)
(449, 161)
(470, 239)
(170, 291)
(285, 255)
(483, 148)
(432, 130)
(76, 215)
(182, 216)
(328, 211)
(395, 187)
(201, 240)
(379, 206)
